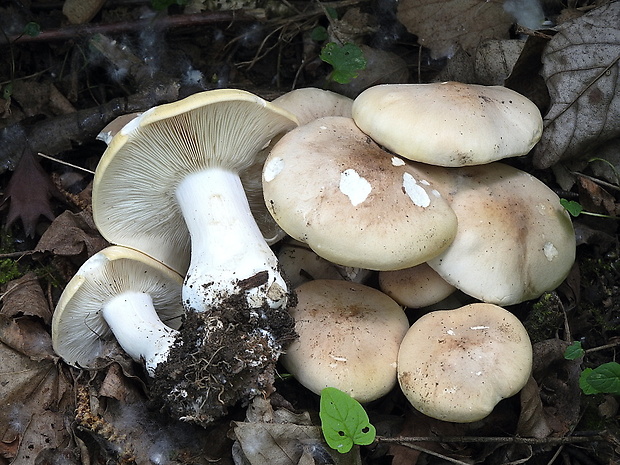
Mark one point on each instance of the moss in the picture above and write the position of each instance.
(9, 270)
(545, 318)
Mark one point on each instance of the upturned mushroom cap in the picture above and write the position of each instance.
(80, 334)
(514, 240)
(349, 336)
(134, 200)
(415, 287)
(456, 365)
(449, 123)
(329, 185)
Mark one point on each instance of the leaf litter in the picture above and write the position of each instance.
(51, 413)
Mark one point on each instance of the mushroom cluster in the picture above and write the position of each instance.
(403, 181)
(410, 186)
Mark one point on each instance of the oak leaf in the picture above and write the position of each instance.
(582, 72)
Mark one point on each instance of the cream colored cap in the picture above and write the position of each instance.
(456, 365)
(329, 185)
(349, 336)
(449, 123)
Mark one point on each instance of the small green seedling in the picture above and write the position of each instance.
(348, 60)
(344, 421)
(575, 209)
(604, 379)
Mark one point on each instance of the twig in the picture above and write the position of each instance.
(62, 162)
(163, 22)
(582, 437)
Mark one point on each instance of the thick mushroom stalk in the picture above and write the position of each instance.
(230, 257)
(134, 322)
(169, 185)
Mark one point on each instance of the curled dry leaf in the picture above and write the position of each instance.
(280, 437)
(444, 26)
(72, 234)
(24, 296)
(34, 398)
(582, 71)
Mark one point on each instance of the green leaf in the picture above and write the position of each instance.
(331, 12)
(605, 378)
(574, 351)
(7, 91)
(344, 421)
(32, 29)
(319, 34)
(585, 386)
(347, 61)
(574, 208)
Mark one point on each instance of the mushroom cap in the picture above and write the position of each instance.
(80, 334)
(449, 123)
(310, 103)
(456, 365)
(306, 104)
(134, 201)
(329, 185)
(415, 287)
(514, 240)
(349, 336)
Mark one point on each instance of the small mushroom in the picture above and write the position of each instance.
(310, 103)
(415, 287)
(329, 185)
(456, 365)
(300, 264)
(449, 123)
(118, 294)
(349, 336)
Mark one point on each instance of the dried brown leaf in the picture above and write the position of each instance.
(24, 296)
(72, 234)
(30, 190)
(582, 71)
(532, 421)
(559, 379)
(34, 397)
(444, 26)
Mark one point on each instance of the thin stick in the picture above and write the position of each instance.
(584, 437)
(65, 163)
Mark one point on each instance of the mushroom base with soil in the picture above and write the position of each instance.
(221, 358)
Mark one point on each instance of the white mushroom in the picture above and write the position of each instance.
(349, 336)
(329, 185)
(173, 173)
(456, 365)
(449, 123)
(118, 294)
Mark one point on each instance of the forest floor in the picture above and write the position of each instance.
(67, 72)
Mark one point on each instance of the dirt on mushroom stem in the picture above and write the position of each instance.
(222, 358)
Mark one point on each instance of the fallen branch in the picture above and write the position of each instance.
(587, 436)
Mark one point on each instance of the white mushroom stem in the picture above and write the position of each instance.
(229, 254)
(132, 318)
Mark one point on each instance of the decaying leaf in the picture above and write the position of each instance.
(24, 296)
(582, 71)
(30, 190)
(444, 26)
(34, 400)
(559, 387)
(72, 234)
(287, 439)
